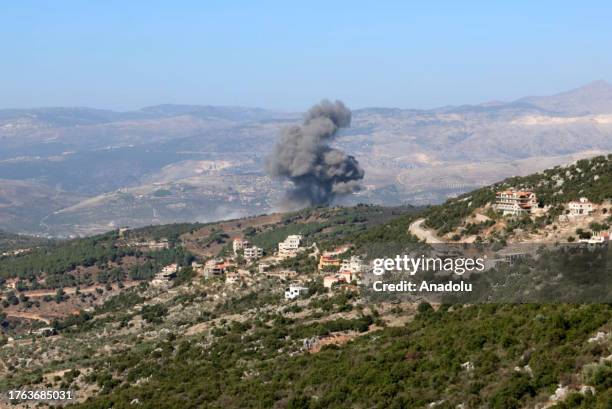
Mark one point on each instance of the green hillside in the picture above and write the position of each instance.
(591, 178)
(201, 342)
(247, 365)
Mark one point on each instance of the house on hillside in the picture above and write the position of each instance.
(294, 291)
(353, 265)
(216, 267)
(239, 244)
(252, 253)
(328, 261)
(165, 276)
(290, 246)
(581, 207)
(515, 202)
(332, 258)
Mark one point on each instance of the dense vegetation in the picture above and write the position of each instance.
(462, 355)
(249, 352)
(56, 262)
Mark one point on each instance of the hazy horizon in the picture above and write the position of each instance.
(297, 110)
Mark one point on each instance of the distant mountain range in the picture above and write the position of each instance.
(66, 171)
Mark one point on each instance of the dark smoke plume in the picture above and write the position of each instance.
(303, 155)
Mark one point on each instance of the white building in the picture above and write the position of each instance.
(353, 265)
(253, 253)
(515, 202)
(290, 246)
(239, 244)
(295, 291)
(582, 207)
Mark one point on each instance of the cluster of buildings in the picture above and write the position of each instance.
(344, 269)
(346, 275)
(513, 202)
(337, 269)
(250, 253)
(349, 269)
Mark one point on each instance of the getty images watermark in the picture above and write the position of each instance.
(405, 265)
(489, 272)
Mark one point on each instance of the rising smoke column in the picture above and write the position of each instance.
(303, 155)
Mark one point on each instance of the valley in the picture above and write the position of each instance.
(68, 172)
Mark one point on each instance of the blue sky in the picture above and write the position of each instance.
(275, 54)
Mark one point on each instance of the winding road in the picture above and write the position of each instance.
(422, 233)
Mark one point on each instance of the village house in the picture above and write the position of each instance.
(581, 207)
(216, 267)
(290, 246)
(197, 267)
(239, 244)
(295, 291)
(165, 276)
(331, 258)
(330, 280)
(353, 264)
(515, 202)
(328, 261)
(252, 253)
(343, 276)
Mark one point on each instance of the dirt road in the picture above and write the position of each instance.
(422, 233)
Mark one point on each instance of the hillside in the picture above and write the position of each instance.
(473, 213)
(132, 317)
(10, 242)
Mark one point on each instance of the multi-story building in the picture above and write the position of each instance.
(289, 247)
(515, 202)
(581, 207)
(239, 244)
(252, 253)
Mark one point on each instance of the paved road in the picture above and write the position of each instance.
(422, 233)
